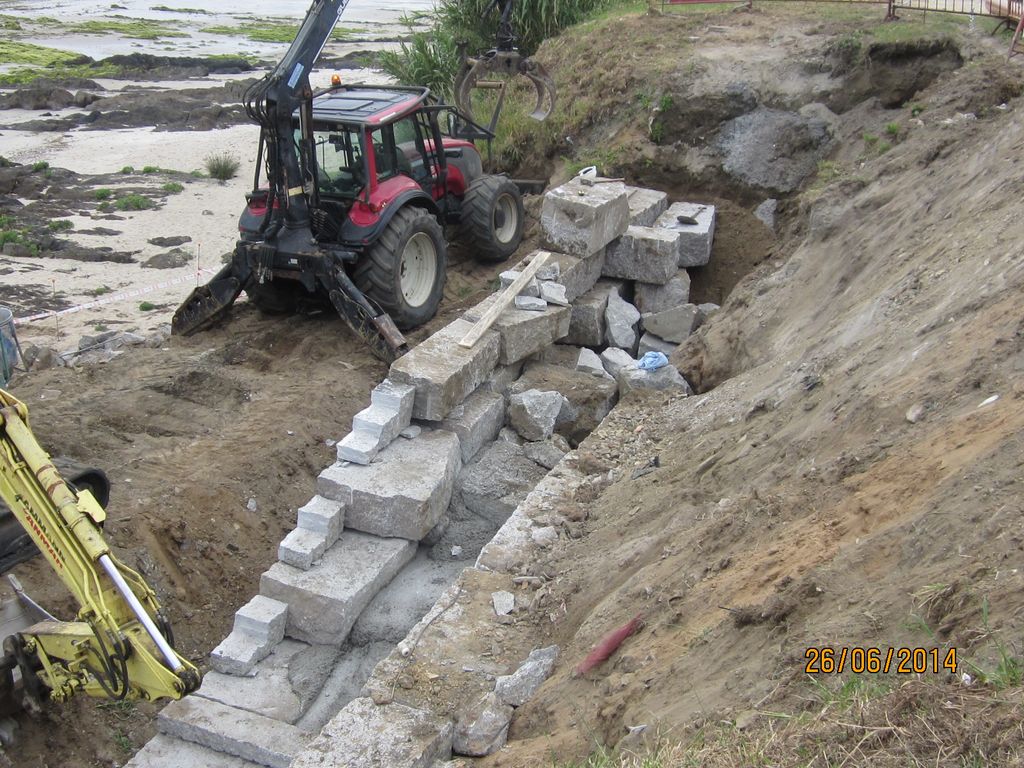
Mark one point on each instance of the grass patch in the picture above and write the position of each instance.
(272, 33)
(103, 193)
(147, 306)
(99, 291)
(128, 169)
(41, 165)
(34, 55)
(172, 187)
(9, 22)
(133, 202)
(221, 166)
(167, 9)
(150, 169)
(60, 225)
(138, 29)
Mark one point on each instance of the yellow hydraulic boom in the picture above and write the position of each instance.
(120, 646)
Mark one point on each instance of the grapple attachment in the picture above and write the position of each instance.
(505, 64)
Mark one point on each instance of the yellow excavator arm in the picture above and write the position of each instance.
(120, 646)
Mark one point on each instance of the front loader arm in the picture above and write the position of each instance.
(120, 645)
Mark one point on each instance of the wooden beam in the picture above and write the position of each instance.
(505, 298)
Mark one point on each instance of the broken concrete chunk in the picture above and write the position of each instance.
(581, 220)
(673, 324)
(621, 318)
(516, 689)
(657, 298)
(533, 413)
(665, 378)
(647, 254)
(483, 728)
(695, 239)
(530, 303)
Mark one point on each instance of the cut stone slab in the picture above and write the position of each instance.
(546, 453)
(365, 735)
(651, 343)
(516, 689)
(621, 319)
(765, 212)
(523, 332)
(530, 303)
(259, 626)
(657, 298)
(322, 515)
(483, 728)
(589, 362)
(302, 548)
(581, 220)
(325, 601)
(233, 731)
(168, 752)
(645, 205)
(533, 413)
(283, 685)
(695, 239)
(395, 397)
(647, 254)
(664, 378)
(577, 275)
(502, 377)
(531, 289)
(673, 324)
(587, 325)
(404, 493)
(476, 422)
(494, 486)
(443, 372)
(380, 422)
(615, 358)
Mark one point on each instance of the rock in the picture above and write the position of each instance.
(588, 398)
(587, 325)
(673, 324)
(493, 486)
(577, 275)
(621, 318)
(532, 288)
(657, 298)
(647, 254)
(553, 293)
(547, 453)
(504, 602)
(521, 332)
(645, 205)
(765, 212)
(695, 240)
(530, 303)
(589, 362)
(651, 343)
(533, 413)
(516, 689)
(476, 422)
(483, 728)
(915, 413)
(705, 311)
(411, 432)
(664, 378)
(545, 536)
(614, 358)
(169, 242)
(172, 259)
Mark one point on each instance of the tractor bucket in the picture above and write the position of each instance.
(207, 303)
(508, 64)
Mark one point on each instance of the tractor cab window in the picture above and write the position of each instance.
(388, 159)
(409, 136)
(340, 163)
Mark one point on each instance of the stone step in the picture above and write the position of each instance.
(476, 422)
(302, 548)
(695, 239)
(581, 220)
(404, 493)
(168, 752)
(259, 626)
(645, 205)
(647, 254)
(365, 735)
(232, 731)
(324, 601)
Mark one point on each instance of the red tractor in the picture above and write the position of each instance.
(361, 182)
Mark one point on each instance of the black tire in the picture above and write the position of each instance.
(412, 239)
(489, 204)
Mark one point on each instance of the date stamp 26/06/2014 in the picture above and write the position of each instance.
(823, 660)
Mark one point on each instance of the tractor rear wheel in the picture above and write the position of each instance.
(492, 218)
(404, 271)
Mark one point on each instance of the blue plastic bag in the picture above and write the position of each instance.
(652, 361)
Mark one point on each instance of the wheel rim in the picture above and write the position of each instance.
(418, 268)
(506, 217)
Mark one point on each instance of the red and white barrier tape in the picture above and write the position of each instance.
(110, 299)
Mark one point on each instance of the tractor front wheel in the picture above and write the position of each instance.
(492, 218)
(404, 271)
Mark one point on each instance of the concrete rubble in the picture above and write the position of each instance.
(373, 577)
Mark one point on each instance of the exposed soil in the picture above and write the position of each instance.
(794, 503)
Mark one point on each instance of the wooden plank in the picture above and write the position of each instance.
(505, 298)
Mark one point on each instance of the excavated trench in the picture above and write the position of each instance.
(748, 153)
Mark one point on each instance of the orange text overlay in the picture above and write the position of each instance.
(859, 659)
